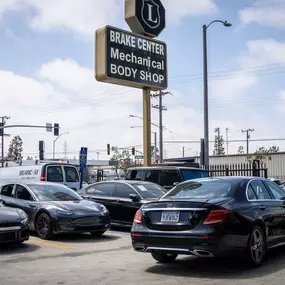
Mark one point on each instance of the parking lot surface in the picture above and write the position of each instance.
(110, 259)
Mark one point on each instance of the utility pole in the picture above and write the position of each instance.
(65, 149)
(98, 153)
(160, 108)
(3, 122)
(247, 138)
(227, 142)
(183, 151)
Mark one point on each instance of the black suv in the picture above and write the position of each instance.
(166, 176)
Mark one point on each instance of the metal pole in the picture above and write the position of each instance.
(247, 142)
(53, 150)
(2, 143)
(227, 138)
(155, 146)
(206, 112)
(183, 151)
(160, 130)
(146, 127)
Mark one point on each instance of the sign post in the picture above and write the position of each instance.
(83, 162)
(134, 58)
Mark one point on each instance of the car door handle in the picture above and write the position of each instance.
(262, 207)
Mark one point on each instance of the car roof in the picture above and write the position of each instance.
(27, 182)
(166, 167)
(125, 182)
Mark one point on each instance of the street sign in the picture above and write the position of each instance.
(83, 157)
(139, 157)
(48, 127)
(129, 59)
(145, 16)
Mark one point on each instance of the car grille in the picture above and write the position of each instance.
(188, 220)
(86, 221)
(6, 225)
(9, 236)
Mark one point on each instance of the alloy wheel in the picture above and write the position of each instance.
(42, 226)
(257, 248)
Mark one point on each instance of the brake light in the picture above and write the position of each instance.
(138, 217)
(216, 217)
(43, 177)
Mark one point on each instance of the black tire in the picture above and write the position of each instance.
(44, 226)
(256, 248)
(97, 234)
(164, 257)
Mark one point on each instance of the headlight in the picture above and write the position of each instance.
(62, 212)
(25, 222)
(102, 208)
(23, 215)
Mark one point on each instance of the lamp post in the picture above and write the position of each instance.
(205, 72)
(155, 141)
(53, 147)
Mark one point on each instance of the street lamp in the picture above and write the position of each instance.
(155, 140)
(206, 111)
(53, 147)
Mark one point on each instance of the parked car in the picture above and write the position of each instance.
(209, 217)
(166, 176)
(14, 225)
(276, 181)
(53, 208)
(122, 198)
(66, 174)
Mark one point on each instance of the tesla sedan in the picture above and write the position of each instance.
(210, 217)
(122, 198)
(14, 225)
(54, 208)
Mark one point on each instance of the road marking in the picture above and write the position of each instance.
(34, 240)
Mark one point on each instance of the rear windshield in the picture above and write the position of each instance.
(188, 174)
(200, 190)
(149, 190)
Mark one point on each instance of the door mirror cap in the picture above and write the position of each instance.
(134, 197)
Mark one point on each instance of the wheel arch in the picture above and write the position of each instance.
(41, 211)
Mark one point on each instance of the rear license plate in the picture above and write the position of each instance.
(170, 217)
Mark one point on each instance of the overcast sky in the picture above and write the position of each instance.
(47, 74)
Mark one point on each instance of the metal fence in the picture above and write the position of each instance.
(239, 169)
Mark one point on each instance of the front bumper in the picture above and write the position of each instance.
(81, 224)
(199, 245)
(14, 234)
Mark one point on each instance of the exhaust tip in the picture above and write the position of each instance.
(140, 248)
(202, 253)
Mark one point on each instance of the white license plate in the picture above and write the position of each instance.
(170, 217)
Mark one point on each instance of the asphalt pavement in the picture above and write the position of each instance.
(110, 259)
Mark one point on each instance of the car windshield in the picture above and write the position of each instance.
(189, 174)
(54, 193)
(200, 190)
(149, 190)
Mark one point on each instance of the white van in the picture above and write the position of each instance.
(52, 172)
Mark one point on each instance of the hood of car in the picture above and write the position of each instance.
(11, 215)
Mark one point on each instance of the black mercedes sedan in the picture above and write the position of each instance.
(122, 198)
(14, 225)
(54, 208)
(211, 217)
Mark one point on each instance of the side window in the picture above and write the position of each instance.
(170, 177)
(251, 193)
(7, 190)
(54, 174)
(104, 189)
(277, 192)
(152, 176)
(260, 190)
(124, 191)
(90, 190)
(137, 175)
(22, 193)
(71, 174)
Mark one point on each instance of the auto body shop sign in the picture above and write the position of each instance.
(129, 59)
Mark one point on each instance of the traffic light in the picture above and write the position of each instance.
(133, 151)
(41, 150)
(56, 129)
(108, 149)
(1, 130)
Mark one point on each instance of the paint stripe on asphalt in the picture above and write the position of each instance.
(39, 241)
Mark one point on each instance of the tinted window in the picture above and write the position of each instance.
(188, 174)
(201, 190)
(104, 189)
(124, 191)
(149, 190)
(170, 177)
(277, 192)
(22, 193)
(54, 193)
(71, 174)
(136, 175)
(260, 190)
(251, 193)
(90, 190)
(54, 174)
(7, 190)
(152, 176)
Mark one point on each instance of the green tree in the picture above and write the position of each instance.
(15, 149)
(219, 143)
(123, 159)
(273, 149)
(263, 154)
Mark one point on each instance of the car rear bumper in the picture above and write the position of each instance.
(15, 235)
(203, 246)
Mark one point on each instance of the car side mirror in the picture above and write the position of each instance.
(134, 197)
